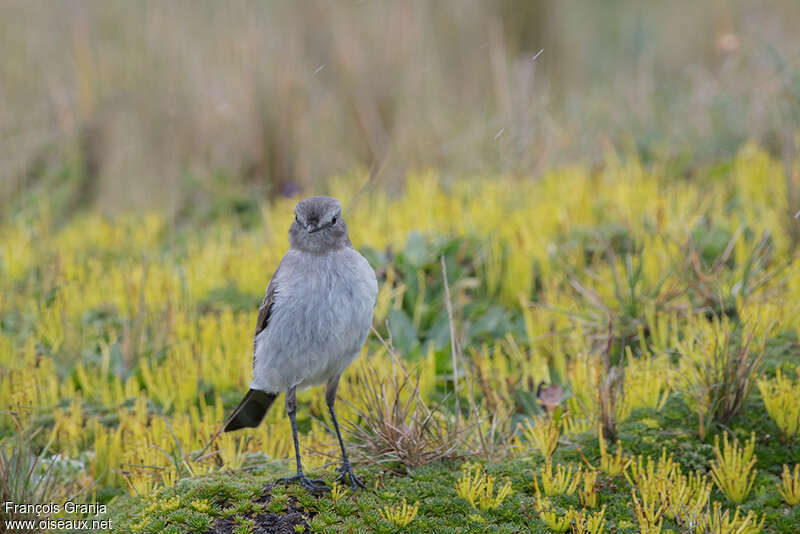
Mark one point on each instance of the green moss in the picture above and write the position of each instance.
(248, 496)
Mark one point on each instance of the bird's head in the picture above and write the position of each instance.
(318, 226)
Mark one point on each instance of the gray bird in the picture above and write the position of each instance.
(312, 323)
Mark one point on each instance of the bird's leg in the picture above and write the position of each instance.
(345, 470)
(312, 485)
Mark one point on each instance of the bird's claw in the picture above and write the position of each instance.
(313, 485)
(346, 471)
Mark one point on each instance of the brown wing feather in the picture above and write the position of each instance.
(265, 311)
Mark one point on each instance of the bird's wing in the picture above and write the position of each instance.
(265, 311)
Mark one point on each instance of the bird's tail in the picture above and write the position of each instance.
(251, 410)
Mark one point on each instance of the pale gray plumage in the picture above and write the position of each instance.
(313, 321)
(321, 315)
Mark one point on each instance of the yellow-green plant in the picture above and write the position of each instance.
(585, 523)
(201, 505)
(686, 497)
(478, 518)
(230, 450)
(171, 503)
(544, 433)
(732, 469)
(560, 481)
(782, 400)
(649, 513)
(338, 491)
(662, 468)
(582, 403)
(651, 478)
(790, 485)
(470, 484)
(680, 497)
(717, 521)
(556, 520)
(82, 287)
(646, 383)
(477, 488)
(587, 494)
(611, 465)
(399, 515)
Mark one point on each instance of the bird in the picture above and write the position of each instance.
(312, 323)
(549, 396)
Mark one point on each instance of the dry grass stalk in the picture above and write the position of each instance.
(720, 371)
(24, 479)
(609, 388)
(454, 348)
(489, 422)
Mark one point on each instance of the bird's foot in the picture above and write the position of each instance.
(346, 471)
(313, 485)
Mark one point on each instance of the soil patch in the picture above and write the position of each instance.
(269, 522)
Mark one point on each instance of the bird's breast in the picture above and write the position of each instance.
(320, 318)
(329, 301)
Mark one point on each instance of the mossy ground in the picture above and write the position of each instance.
(249, 501)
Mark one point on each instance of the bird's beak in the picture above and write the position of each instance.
(311, 228)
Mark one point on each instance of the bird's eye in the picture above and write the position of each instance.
(333, 221)
(297, 219)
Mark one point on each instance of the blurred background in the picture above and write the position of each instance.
(169, 106)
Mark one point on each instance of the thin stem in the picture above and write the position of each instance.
(453, 346)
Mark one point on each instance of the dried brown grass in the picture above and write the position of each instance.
(395, 427)
(277, 96)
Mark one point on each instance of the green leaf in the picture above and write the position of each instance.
(403, 332)
(416, 251)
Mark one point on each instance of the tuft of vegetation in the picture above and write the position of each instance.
(587, 491)
(560, 481)
(543, 433)
(396, 426)
(732, 468)
(780, 400)
(585, 523)
(477, 488)
(719, 520)
(720, 368)
(612, 464)
(400, 515)
(649, 513)
(790, 485)
(25, 479)
(557, 520)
